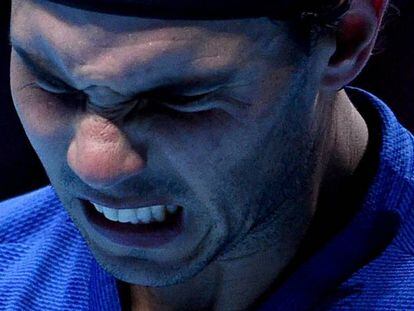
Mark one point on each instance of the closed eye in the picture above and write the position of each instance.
(193, 107)
(48, 87)
(55, 88)
(189, 104)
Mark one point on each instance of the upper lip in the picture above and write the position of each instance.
(117, 204)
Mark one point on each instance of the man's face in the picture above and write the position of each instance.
(238, 160)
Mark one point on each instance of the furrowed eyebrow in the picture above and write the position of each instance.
(192, 84)
(33, 62)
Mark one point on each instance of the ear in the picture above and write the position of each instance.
(355, 38)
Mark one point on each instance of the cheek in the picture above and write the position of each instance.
(42, 117)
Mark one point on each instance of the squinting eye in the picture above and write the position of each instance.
(52, 88)
(67, 95)
(186, 103)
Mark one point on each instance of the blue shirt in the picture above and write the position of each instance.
(45, 263)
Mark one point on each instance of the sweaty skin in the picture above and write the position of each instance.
(247, 167)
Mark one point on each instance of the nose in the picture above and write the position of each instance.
(100, 153)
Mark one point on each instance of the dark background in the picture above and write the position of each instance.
(389, 75)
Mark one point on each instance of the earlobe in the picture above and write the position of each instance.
(355, 39)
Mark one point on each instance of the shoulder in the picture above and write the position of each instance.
(385, 278)
(385, 283)
(42, 255)
(23, 216)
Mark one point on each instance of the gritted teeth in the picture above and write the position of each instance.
(155, 213)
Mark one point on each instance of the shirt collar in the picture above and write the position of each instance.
(369, 232)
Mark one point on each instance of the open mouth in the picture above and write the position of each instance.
(151, 226)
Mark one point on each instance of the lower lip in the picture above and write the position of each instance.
(150, 235)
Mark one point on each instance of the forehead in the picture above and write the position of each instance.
(88, 45)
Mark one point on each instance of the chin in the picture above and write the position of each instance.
(146, 273)
(173, 263)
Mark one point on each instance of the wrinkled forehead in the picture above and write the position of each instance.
(203, 9)
(84, 48)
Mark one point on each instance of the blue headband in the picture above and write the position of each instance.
(213, 9)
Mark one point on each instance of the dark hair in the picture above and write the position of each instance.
(326, 17)
(320, 19)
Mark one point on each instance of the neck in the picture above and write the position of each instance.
(223, 285)
(348, 141)
(238, 282)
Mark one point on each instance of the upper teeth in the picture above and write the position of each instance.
(136, 215)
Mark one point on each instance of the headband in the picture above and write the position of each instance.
(215, 9)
